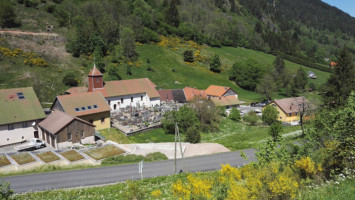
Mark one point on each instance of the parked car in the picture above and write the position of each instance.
(33, 144)
(258, 112)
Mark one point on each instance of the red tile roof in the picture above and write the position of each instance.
(75, 90)
(85, 102)
(127, 87)
(166, 95)
(95, 72)
(333, 64)
(58, 120)
(192, 93)
(225, 101)
(215, 90)
(289, 105)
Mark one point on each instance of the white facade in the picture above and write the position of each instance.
(141, 99)
(20, 132)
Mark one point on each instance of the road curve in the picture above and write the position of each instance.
(114, 174)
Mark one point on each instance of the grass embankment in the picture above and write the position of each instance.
(23, 158)
(130, 159)
(72, 155)
(342, 191)
(4, 161)
(233, 135)
(48, 156)
(104, 152)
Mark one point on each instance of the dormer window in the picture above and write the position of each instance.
(77, 109)
(95, 106)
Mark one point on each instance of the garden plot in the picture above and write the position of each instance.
(4, 161)
(104, 152)
(23, 158)
(48, 156)
(72, 155)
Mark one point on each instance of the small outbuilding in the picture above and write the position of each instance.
(61, 130)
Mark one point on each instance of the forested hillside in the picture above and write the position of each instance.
(111, 33)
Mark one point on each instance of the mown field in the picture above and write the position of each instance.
(233, 135)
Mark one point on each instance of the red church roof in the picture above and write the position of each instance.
(95, 72)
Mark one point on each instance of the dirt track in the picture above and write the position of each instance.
(28, 33)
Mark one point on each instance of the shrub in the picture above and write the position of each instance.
(31, 3)
(193, 135)
(5, 190)
(251, 118)
(50, 8)
(269, 115)
(235, 114)
(215, 65)
(156, 156)
(189, 56)
(133, 191)
(70, 80)
(275, 130)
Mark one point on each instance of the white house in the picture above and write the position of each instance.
(20, 111)
(123, 93)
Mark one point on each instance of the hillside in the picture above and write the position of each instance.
(105, 31)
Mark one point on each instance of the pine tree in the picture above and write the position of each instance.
(215, 65)
(172, 14)
(341, 81)
(301, 80)
(128, 43)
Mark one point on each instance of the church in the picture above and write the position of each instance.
(121, 94)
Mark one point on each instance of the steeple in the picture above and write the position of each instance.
(95, 79)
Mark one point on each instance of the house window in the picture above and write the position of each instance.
(24, 125)
(109, 102)
(121, 100)
(289, 114)
(77, 109)
(69, 136)
(10, 127)
(102, 120)
(81, 134)
(89, 108)
(83, 108)
(131, 99)
(95, 106)
(91, 121)
(141, 98)
(296, 113)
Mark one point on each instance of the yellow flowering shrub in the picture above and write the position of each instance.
(200, 188)
(283, 187)
(180, 190)
(307, 167)
(156, 193)
(237, 192)
(230, 171)
(30, 57)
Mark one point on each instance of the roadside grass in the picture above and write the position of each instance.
(343, 190)
(48, 156)
(23, 158)
(238, 135)
(4, 161)
(130, 159)
(104, 152)
(72, 155)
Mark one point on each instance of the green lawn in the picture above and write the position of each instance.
(342, 190)
(233, 135)
(72, 155)
(48, 156)
(104, 152)
(23, 158)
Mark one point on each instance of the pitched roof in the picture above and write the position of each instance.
(95, 72)
(192, 93)
(58, 120)
(225, 101)
(75, 90)
(19, 105)
(215, 90)
(83, 103)
(333, 64)
(172, 95)
(289, 105)
(127, 87)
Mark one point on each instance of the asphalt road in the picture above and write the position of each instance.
(114, 174)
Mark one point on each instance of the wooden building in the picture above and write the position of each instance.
(61, 130)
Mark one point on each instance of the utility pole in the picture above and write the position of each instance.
(175, 149)
(177, 137)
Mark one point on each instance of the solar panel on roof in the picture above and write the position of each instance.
(83, 108)
(19, 94)
(21, 97)
(89, 108)
(95, 106)
(77, 109)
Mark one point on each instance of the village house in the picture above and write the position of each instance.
(222, 96)
(89, 106)
(172, 95)
(61, 130)
(121, 94)
(288, 109)
(20, 111)
(193, 93)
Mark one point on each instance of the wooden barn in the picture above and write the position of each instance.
(61, 130)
